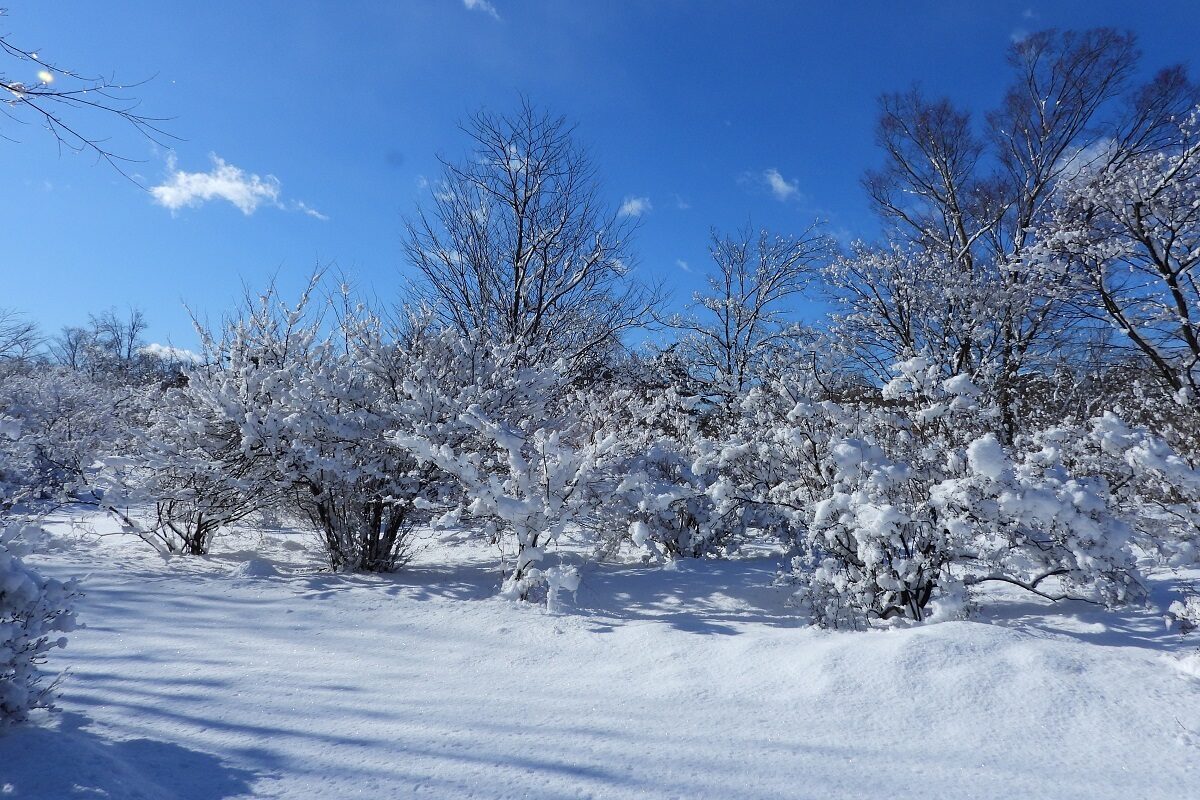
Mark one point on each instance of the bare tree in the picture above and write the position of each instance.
(70, 347)
(110, 345)
(119, 337)
(518, 242)
(74, 107)
(742, 317)
(19, 336)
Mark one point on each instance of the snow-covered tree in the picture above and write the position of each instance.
(1124, 240)
(965, 201)
(895, 303)
(19, 337)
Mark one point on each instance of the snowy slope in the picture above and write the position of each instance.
(211, 678)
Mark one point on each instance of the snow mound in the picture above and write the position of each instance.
(1188, 665)
(255, 568)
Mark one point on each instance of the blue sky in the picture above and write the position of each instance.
(341, 108)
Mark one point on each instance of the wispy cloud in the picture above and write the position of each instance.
(246, 191)
(300, 205)
(681, 203)
(782, 188)
(683, 265)
(482, 5)
(635, 206)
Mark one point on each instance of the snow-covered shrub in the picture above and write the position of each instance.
(913, 500)
(34, 613)
(363, 493)
(292, 407)
(201, 478)
(195, 467)
(1186, 612)
(875, 550)
(526, 466)
(661, 502)
(214, 442)
(1157, 486)
(61, 422)
(1026, 520)
(10, 476)
(667, 502)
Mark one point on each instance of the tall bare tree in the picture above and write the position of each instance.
(518, 242)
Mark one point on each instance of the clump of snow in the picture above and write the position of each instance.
(560, 579)
(986, 457)
(961, 385)
(639, 533)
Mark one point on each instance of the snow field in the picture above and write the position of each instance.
(210, 678)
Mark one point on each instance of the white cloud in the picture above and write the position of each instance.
(168, 353)
(1084, 160)
(782, 188)
(482, 5)
(683, 265)
(224, 181)
(634, 207)
(681, 203)
(245, 190)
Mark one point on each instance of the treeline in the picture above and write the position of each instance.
(1006, 390)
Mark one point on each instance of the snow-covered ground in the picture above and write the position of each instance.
(229, 676)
